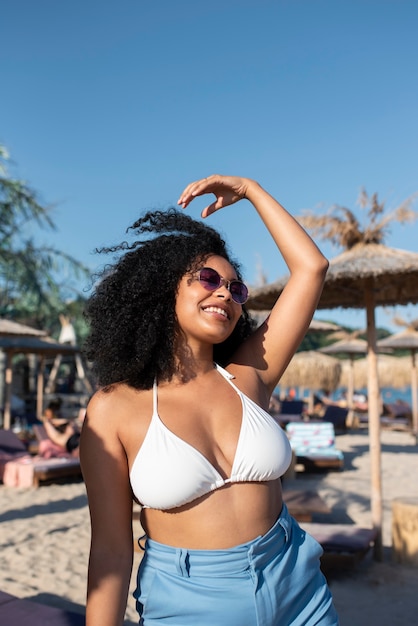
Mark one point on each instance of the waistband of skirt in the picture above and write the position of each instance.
(226, 560)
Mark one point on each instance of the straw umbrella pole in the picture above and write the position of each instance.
(367, 274)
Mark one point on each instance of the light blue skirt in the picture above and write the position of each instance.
(274, 580)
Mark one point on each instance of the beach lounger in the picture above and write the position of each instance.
(31, 471)
(337, 415)
(314, 445)
(291, 407)
(290, 411)
(304, 503)
(397, 410)
(10, 446)
(21, 612)
(11, 449)
(19, 469)
(400, 423)
(344, 545)
(388, 422)
(396, 416)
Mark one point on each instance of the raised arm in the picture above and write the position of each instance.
(271, 347)
(275, 342)
(105, 473)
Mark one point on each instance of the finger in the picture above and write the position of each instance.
(186, 196)
(208, 210)
(189, 192)
(200, 187)
(197, 188)
(212, 208)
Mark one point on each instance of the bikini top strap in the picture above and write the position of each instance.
(229, 377)
(155, 396)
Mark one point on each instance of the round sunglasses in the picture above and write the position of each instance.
(211, 280)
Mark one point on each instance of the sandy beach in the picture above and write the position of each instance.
(44, 537)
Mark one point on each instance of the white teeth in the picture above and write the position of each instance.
(215, 309)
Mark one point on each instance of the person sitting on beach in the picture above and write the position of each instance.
(180, 423)
(63, 433)
(360, 402)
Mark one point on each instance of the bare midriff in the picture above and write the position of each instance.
(234, 514)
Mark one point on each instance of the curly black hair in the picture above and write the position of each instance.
(131, 313)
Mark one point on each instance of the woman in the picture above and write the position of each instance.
(63, 434)
(181, 425)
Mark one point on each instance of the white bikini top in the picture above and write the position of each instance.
(168, 472)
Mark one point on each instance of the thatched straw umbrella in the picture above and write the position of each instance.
(312, 370)
(350, 346)
(408, 340)
(390, 274)
(319, 326)
(316, 326)
(393, 372)
(366, 275)
(9, 328)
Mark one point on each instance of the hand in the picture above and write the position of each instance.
(227, 189)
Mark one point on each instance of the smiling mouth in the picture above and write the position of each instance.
(216, 309)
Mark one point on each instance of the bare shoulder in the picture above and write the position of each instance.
(115, 403)
(120, 417)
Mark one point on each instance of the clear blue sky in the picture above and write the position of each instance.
(111, 107)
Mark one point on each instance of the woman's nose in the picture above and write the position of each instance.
(223, 292)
